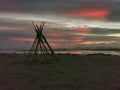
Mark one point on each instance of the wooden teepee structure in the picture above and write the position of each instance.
(40, 51)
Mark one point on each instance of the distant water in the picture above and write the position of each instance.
(81, 52)
(89, 52)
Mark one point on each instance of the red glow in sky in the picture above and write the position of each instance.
(84, 30)
(22, 39)
(55, 34)
(79, 38)
(91, 13)
(54, 45)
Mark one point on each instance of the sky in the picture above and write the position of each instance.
(69, 23)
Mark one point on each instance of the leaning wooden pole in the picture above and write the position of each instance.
(48, 45)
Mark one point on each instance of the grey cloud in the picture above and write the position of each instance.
(102, 38)
(115, 16)
(8, 34)
(104, 31)
(61, 5)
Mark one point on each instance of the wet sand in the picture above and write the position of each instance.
(71, 72)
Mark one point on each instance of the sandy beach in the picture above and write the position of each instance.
(71, 72)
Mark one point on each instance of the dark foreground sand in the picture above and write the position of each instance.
(72, 72)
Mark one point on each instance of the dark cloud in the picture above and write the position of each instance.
(57, 5)
(115, 16)
(101, 38)
(5, 35)
(104, 31)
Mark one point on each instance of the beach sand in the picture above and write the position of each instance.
(71, 72)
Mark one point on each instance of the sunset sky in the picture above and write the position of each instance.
(69, 23)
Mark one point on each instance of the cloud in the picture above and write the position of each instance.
(97, 42)
(57, 6)
(68, 22)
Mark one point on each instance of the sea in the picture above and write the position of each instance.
(81, 52)
(85, 52)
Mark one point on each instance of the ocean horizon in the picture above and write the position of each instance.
(80, 52)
